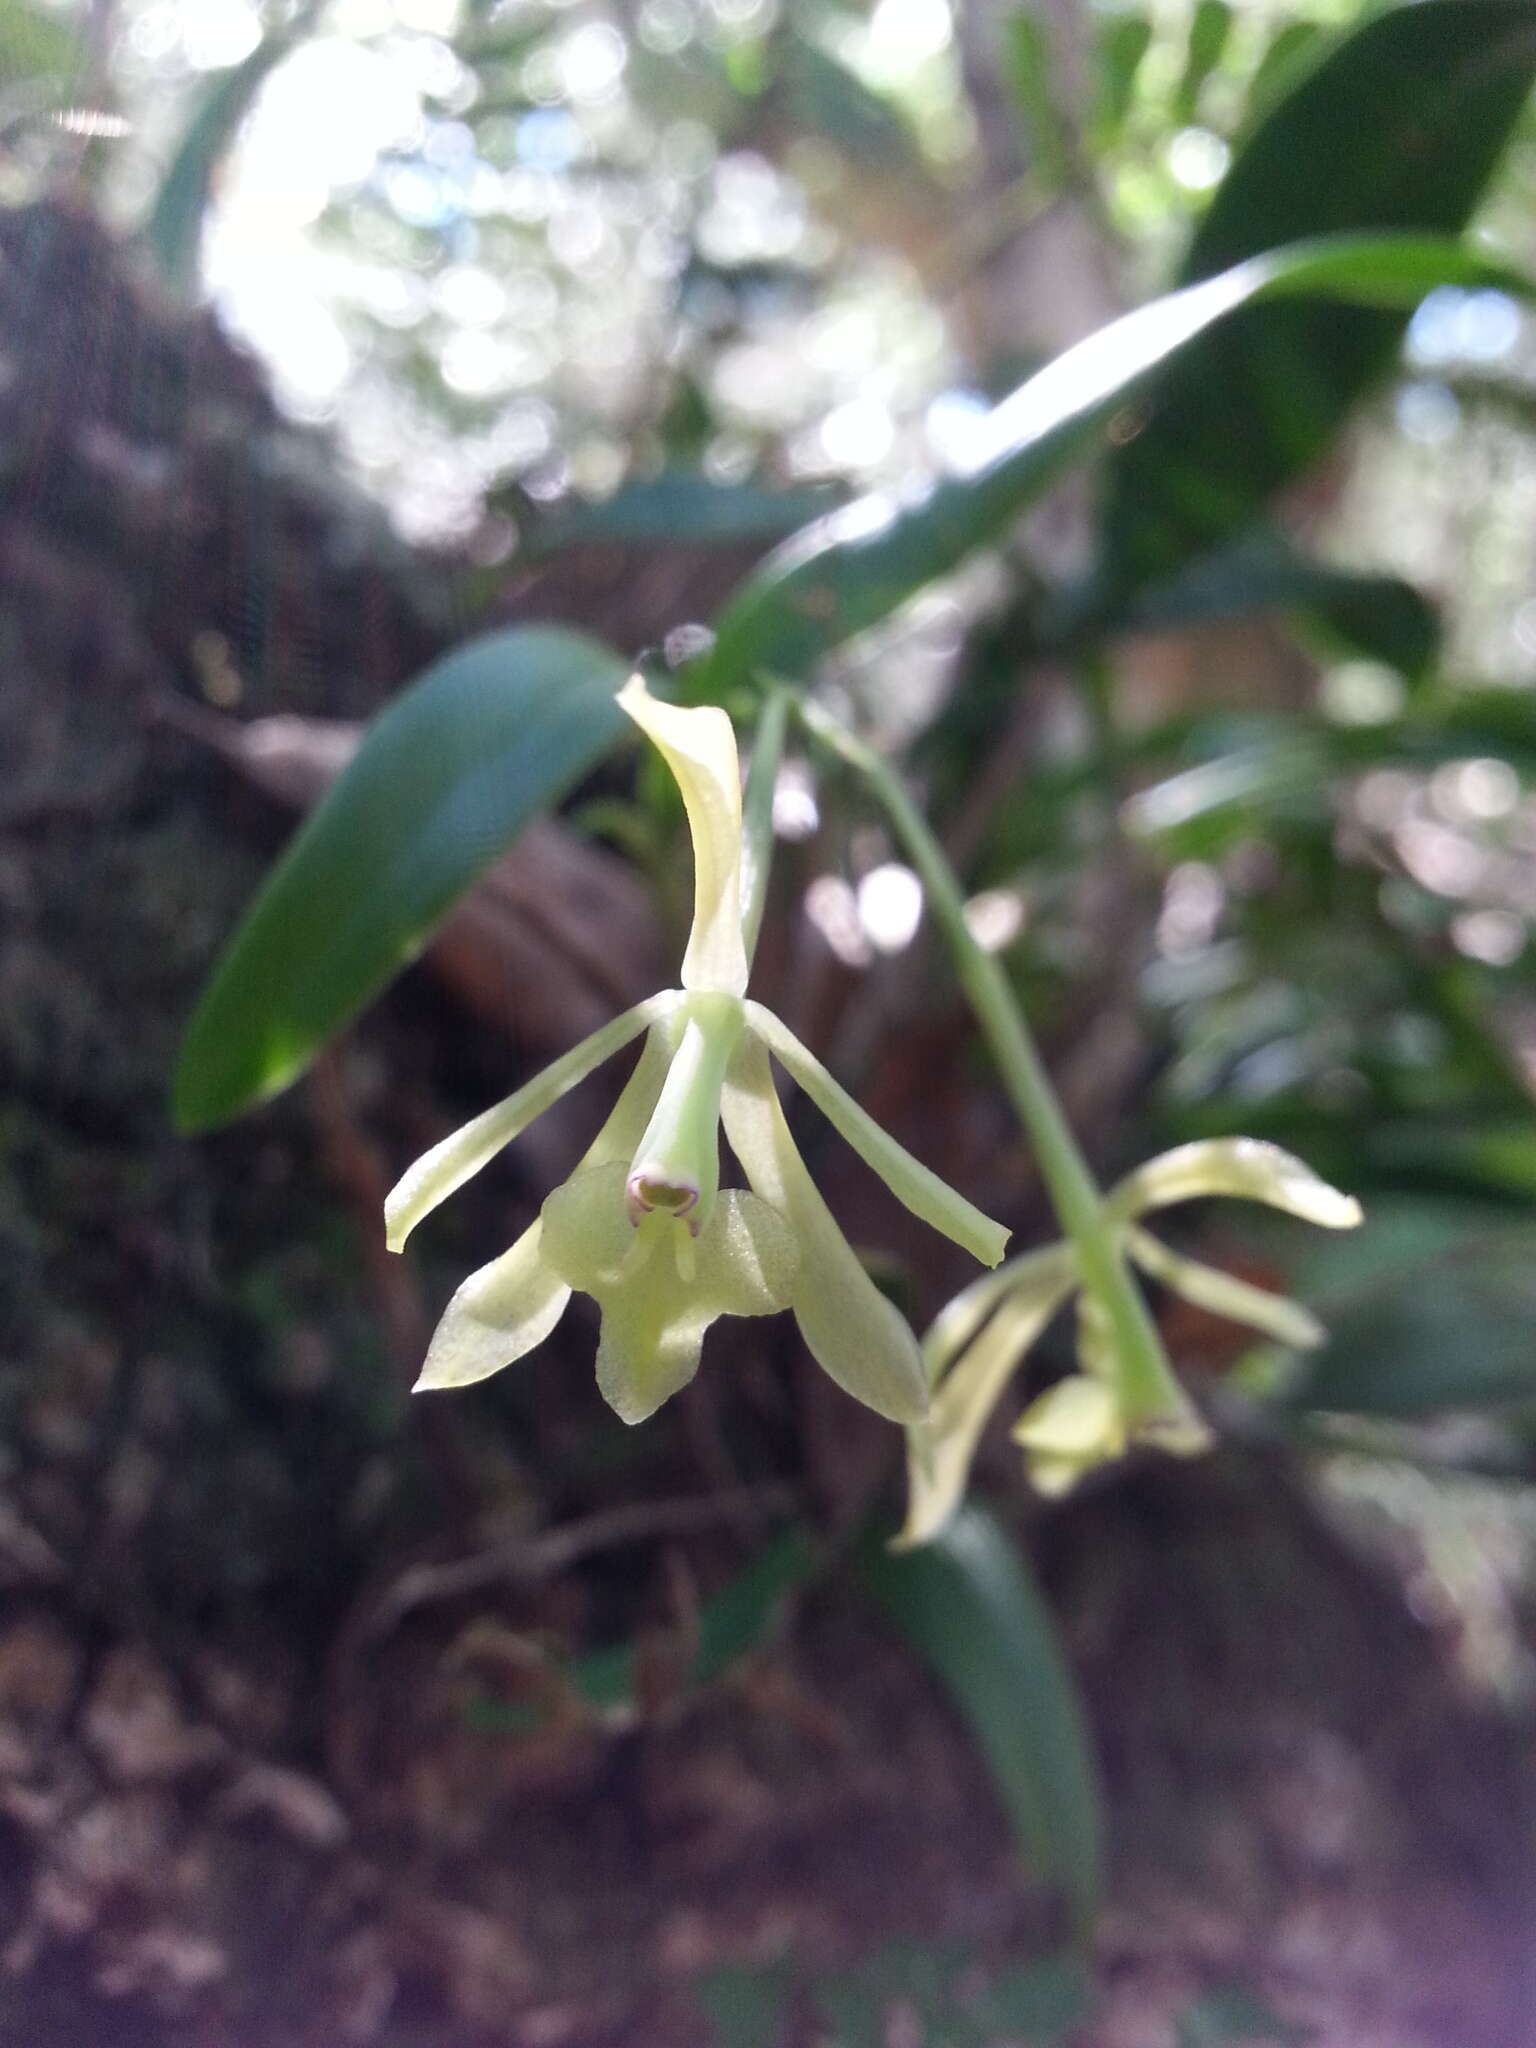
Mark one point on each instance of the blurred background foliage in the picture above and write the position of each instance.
(573, 310)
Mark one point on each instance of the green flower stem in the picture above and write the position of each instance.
(757, 812)
(1146, 1377)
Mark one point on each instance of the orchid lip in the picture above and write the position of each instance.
(649, 1188)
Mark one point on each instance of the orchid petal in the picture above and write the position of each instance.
(853, 1332)
(505, 1309)
(1246, 1167)
(1223, 1294)
(921, 1191)
(940, 1449)
(964, 1313)
(1073, 1427)
(659, 1287)
(435, 1175)
(497, 1316)
(699, 746)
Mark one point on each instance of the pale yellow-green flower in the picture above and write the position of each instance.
(981, 1338)
(643, 1225)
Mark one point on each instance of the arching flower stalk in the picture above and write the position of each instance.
(643, 1225)
(981, 1338)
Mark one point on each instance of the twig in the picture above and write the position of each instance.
(527, 1559)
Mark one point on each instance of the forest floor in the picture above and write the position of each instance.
(1308, 1814)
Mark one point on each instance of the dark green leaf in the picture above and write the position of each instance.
(1124, 40)
(1432, 1309)
(1028, 71)
(746, 2007)
(1231, 2014)
(1398, 129)
(1379, 616)
(1041, 2003)
(848, 571)
(174, 228)
(969, 1606)
(822, 95)
(1291, 51)
(443, 782)
(1208, 34)
(683, 509)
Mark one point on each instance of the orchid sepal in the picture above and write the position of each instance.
(439, 1172)
(914, 1185)
(852, 1331)
(699, 746)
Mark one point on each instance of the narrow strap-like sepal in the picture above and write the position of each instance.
(851, 1330)
(435, 1175)
(912, 1183)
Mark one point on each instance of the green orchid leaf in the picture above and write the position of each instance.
(681, 508)
(1397, 129)
(1124, 39)
(1209, 31)
(850, 570)
(1027, 67)
(1197, 813)
(442, 784)
(1289, 54)
(1429, 1311)
(173, 232)
(1379, 617)
(971, 1608)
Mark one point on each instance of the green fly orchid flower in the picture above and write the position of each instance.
(980, 1340)
(643, 1225)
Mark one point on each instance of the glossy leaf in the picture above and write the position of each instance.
(848, 571)
(1399, 129)
(1380, 617)
(971, 1608)
(443, 782)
